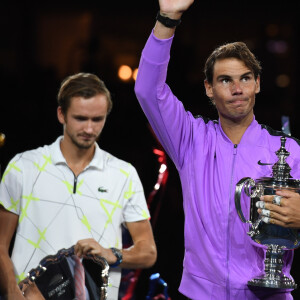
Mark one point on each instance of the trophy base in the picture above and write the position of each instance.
(282, 282)
(273, 276)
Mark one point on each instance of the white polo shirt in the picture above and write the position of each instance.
(56, 209)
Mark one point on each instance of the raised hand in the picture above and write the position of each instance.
(174, 8)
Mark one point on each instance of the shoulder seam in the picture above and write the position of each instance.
(205, 119)
(279, 133)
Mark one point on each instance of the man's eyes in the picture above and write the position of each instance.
(80, 118)
(225, 80)
(97, 119)
(228, 80)
(246, 78)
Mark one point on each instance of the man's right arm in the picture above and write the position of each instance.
(8, 284)
(166, 115)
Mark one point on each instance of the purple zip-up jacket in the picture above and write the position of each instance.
(219, 255)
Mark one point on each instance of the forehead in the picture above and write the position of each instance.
(96, 105)
(230, 67)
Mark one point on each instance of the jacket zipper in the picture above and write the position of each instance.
(228, 229)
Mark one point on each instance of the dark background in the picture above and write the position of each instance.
(42, 42)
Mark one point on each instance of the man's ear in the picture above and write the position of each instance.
(208, 89)
(257, 83)
(60, 116)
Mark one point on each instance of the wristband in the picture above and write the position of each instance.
(118, 254)
(170, 23)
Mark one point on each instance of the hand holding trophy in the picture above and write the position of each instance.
(278, 239)
(53, 279)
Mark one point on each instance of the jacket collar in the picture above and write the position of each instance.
(251, 135)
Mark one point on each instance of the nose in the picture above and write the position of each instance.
(89, 126)
(236, 88)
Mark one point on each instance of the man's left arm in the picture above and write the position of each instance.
(142, 254)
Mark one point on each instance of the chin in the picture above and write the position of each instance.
(82, 145)
(86, 146)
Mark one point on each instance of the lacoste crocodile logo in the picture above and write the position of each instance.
(102, 190)
(263, 164)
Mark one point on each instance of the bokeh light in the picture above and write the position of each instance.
(124, 72)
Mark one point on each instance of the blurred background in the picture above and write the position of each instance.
(42, 42)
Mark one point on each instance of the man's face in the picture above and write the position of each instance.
(233, 89)
(84, 120)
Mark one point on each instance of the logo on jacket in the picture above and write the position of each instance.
(102, 190)
(263, 164)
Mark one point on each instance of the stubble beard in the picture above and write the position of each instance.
(83, 145)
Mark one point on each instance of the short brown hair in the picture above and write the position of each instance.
(84, 85)
(237, 50)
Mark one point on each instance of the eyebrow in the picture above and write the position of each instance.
(228, 76)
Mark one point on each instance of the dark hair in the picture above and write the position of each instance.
(237, 50)
(84, 85)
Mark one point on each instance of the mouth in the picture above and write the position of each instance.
(238, 102)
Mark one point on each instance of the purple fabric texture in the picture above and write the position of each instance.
(219, 255)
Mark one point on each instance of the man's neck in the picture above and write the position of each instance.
(77, 158)
(235, 129)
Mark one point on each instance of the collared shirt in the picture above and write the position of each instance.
(56, 208)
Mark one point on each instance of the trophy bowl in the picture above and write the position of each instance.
(52, 279)
(276, 238)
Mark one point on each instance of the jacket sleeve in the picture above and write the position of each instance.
(166, 114)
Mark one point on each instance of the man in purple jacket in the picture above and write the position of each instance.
(211, 157)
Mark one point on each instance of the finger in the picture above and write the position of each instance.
(78, 250)
(266, 219)
(269, 220)
(267, 198)
(274, 199)
(272, 207)
(86, 249)
(260, 204)
(275, 218)
(265, 212)
(277, 200)
(95, 252)
(75, 248)
(276, 221)
(287, 193)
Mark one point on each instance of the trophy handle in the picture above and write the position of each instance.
(245, 183)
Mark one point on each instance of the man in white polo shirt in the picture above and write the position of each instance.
(73, 193)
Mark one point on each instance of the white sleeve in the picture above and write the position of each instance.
(135, 208)
(11, 186)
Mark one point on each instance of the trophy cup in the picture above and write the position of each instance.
(277, 238)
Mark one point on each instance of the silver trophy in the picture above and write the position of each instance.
(277, 238)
